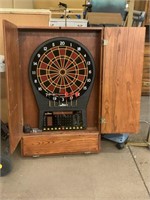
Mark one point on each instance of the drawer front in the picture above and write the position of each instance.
(33, 145)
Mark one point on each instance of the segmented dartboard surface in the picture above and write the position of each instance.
(61, 68)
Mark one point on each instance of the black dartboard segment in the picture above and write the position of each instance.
(61, 68)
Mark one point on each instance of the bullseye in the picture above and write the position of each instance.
(62, 72)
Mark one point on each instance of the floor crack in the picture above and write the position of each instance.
(139, 171)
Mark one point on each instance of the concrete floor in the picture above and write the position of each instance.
(110, 175)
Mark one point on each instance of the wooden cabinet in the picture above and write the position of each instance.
(114, 99)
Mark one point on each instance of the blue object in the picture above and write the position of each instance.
(118, 138)
(110, 6)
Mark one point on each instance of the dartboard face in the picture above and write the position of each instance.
(61, 68)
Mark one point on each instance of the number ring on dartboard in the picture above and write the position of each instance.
(61, 67)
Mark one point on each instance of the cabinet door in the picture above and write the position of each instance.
(122, 79)
(13, 84)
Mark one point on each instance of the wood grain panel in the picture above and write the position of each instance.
(122, 79)
(147, 20)
(14, 92)
(60, 143)
(146, 71)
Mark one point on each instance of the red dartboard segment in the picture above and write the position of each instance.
(43, 66)
(72, 76)
(52, 75)
(62, 60)
(50, 55)
(68, 63)
(63, 82)
(71, 68)
(81, 78)
(62, 51)
(56, 81)
(43, 78)
(53, 66)
(61, 68)
(62, 91)
(74, 88)
(74, 55)
(55, 63)
(51, 88)
(81, 65)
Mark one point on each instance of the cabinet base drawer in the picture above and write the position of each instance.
(68, 143)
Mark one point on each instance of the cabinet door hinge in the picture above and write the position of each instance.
(102, 121)
(104, 42)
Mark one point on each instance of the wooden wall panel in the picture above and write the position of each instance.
(146, 71)
(143, 5)
(122, 79)
(147, 19)
(140, 5)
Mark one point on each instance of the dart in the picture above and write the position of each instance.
(71, 97)
(66, 96)
(77, 94)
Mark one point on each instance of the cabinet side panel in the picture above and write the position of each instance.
(122, 78)
(13, 83)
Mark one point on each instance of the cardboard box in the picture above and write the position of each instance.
(16, 4)
(23, 4)
(104, 18)
(6, 3)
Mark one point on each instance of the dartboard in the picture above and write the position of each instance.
(61, 68)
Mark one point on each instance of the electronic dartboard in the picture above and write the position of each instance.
(62, 71)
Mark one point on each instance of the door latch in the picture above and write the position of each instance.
(104, 42)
